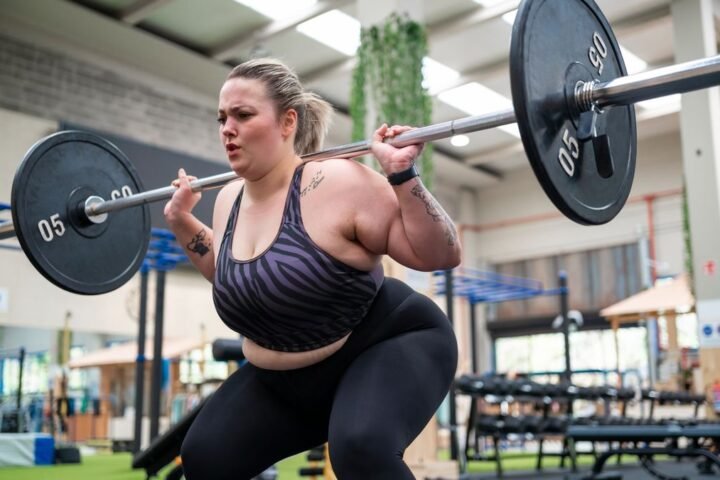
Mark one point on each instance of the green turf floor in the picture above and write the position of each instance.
(117, 467)
(114, 467)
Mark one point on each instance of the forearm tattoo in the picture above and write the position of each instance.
(433, 208)
(314, 182)
(198, 244)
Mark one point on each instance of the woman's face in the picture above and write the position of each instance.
(250, 130)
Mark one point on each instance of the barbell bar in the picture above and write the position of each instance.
(681, 78)
(572, 101)
(627, 90)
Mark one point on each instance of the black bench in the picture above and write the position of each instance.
(648, 434)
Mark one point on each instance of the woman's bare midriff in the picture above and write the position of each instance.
(274, 360)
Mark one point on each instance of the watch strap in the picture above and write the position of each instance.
(398, 178)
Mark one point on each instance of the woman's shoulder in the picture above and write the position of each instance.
(344, 172)
(224, 201)
(230, 190)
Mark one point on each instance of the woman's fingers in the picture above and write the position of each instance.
(183, 179)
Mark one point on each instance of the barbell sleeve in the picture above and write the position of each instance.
(7, 230)
(660, 82)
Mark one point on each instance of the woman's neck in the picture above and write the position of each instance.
(277, 179)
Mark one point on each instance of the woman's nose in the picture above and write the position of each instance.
(228, 129)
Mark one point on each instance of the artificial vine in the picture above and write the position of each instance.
(388, 73)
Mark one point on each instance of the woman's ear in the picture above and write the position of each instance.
(288, 122)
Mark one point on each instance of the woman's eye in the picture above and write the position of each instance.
(221, 120)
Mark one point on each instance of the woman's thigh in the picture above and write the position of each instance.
(387, 396)
(245, 428)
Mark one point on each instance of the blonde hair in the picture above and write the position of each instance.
(284, 87)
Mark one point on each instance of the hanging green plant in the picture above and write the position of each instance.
(687, 239)
(388, 81)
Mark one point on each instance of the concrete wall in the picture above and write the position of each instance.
(533, 228)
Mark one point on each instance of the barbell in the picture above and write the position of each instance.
(573, 103)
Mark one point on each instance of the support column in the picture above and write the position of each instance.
(694, 34)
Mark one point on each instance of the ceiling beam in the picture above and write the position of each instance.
(226, 49)
(140, 10)
(471, 19)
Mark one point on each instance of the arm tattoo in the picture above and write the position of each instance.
(436, 212)
(314, 182)
(198, 244)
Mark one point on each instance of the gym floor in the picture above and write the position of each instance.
(517, 467)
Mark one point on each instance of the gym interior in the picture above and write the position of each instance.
(587, 318)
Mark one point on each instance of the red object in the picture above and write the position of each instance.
(710, 267)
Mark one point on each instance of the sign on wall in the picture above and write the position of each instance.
(708, 313)
(4, 300)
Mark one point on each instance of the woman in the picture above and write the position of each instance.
(335, 352)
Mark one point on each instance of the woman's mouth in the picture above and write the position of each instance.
(231, 147)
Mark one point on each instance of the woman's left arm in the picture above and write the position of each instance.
(420, 234)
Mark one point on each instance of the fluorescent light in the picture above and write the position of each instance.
(278, 9)
(633, 63)
(489, 3)
(460, 140)
(334, 29)
(509, 17)
(476, 99)
(436, 76)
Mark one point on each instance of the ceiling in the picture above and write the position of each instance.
(210, 36)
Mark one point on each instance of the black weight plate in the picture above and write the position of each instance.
(49, 188)
(556, 43)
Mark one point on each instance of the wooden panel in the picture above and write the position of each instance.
(596, 278)
(86, 426)
(514, 308)
(576, 266)
(544, 270)
(608, 278)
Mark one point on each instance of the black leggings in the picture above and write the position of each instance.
(369, 400)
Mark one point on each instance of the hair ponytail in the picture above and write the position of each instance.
(313, 125)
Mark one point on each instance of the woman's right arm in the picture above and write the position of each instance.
(195, 237)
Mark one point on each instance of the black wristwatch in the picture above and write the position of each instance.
(398, 178)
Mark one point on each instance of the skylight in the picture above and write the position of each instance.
(278, 9)
(436, 76)
(476, 99)
(509, 17)
(334, 29)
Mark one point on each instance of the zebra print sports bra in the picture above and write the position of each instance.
(294, 296)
